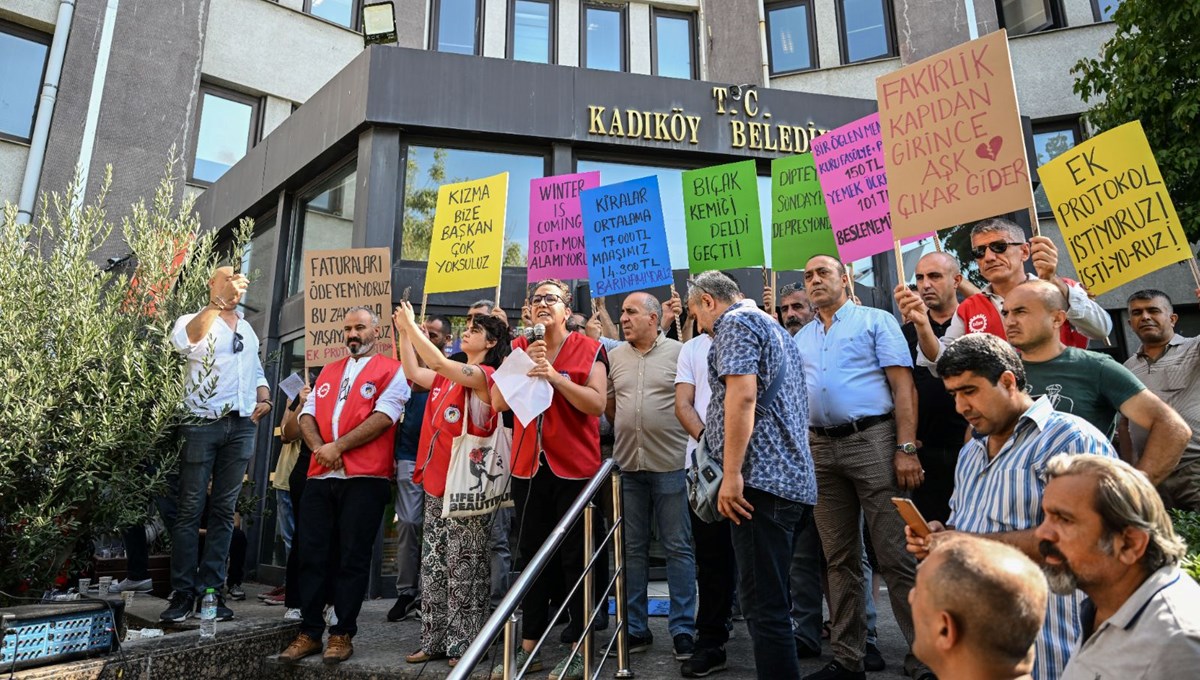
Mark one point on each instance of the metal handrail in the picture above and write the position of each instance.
(503, 617)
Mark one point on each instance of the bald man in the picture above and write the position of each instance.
(227, 393)
(1088, 384)
(977, 608)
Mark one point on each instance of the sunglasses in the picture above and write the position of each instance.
(998, 247)
(238, 343)
(548, 299)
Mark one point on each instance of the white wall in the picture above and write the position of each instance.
(495, 28)
(639, 37)
(13, 157)
(38, 14)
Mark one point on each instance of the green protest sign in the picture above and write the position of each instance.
(800, 226)
(724, 226)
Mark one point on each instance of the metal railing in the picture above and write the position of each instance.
(504, 618)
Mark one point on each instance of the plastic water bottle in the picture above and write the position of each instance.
(208, 614)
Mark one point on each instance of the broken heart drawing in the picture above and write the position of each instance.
(990, 150)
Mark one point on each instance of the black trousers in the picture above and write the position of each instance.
(716, 576)
(932, 498)
(344, 513)
(291, 579)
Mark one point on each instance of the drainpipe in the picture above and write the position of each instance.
(762, 44)
(41, 124)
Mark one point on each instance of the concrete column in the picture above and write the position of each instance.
(926, 27)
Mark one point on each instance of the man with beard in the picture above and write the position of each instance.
(1169, 365)
(998, 483)
(795, 309)
(349, 423)
(1107, 533)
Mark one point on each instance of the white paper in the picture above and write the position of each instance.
(291, 386)
(527, 397)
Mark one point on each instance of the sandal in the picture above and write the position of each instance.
(421, 656)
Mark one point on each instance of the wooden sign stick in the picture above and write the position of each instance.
(900, 265)
(1195, 270)
(937, 243)
(679, 326)
(424, 303)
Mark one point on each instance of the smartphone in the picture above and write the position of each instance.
(912, 516)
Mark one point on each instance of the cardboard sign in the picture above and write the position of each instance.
(724, 226)
(467, 247)
(1113, 209)
(556, 226)
(800, 226)
(338, 280)
(850, 166)
(626, 239)
(952, 137)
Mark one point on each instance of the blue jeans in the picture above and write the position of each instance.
(764, 549)
(285, 522)
(665, 495)
(217, 451)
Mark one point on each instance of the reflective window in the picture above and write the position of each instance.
(227, 129)
(258, 265)
(429, 167)
(865, 28)
(1027, 16)
(1104, 9)
(342, 12)
(791, 46)
(603, 38)
(456, 26)
(674, 45)
(1050, 140)
(325, 221)
(532, 31)
(22, 65)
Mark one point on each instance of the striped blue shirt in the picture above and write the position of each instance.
(1005, 494)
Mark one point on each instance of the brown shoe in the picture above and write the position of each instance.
(339, 649)
(301, 647)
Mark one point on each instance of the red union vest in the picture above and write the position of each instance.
(375, 458)
(979, 315)
(444, 412)
(570, 437)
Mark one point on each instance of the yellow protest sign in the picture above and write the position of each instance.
(1113, 209)
(467, 249)
(338, 280)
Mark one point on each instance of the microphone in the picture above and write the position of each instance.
(539, 331)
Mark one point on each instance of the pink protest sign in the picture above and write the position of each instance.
(850, 166)
(556, 228)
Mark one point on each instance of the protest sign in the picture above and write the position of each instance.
(556, 226)
(467, 246)
(724, 226)
(336, 281)
(1113, 209)
(799, 221)
(625, 236)
(952, 138)
(849, 164)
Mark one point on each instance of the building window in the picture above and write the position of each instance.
(228, 127)
(258, 265)
(603, 36)
(1021, 17)
(1050, 140)
(674, 45)
(531, 31)
(865, 30)
(792, 44)
(1104, 9)
(325, 220)
(455, 26)
(22, 67)
(340, 12)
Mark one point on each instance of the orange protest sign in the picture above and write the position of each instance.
(338, 280)
(952, 138)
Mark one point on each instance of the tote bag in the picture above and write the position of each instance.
(477, 480)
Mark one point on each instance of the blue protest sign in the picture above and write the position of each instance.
(625, 236)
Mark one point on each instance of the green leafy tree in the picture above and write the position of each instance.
(1150, 71)
(92, 388)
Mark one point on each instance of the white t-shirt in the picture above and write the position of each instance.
(692, 369)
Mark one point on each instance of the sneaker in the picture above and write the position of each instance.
(179, 607)
(836, 671)
(293, 614)
(404, 607)
(637, 643)
(223, 613)
(522, 657)
(274, 592)
(704, 661)
(684, 645)
(872, 659)
(130, 586)
(339, 649)
(570, 668)
(274, 600)
(236, 592)
(300, 647)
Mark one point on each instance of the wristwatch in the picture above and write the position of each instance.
(907, 447)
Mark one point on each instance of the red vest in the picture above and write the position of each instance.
(443, 422)
(375, 458)
(570, 437)
(979, 315)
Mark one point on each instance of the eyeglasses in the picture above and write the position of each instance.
(238, 343)
(547, 299)
(997, 247)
